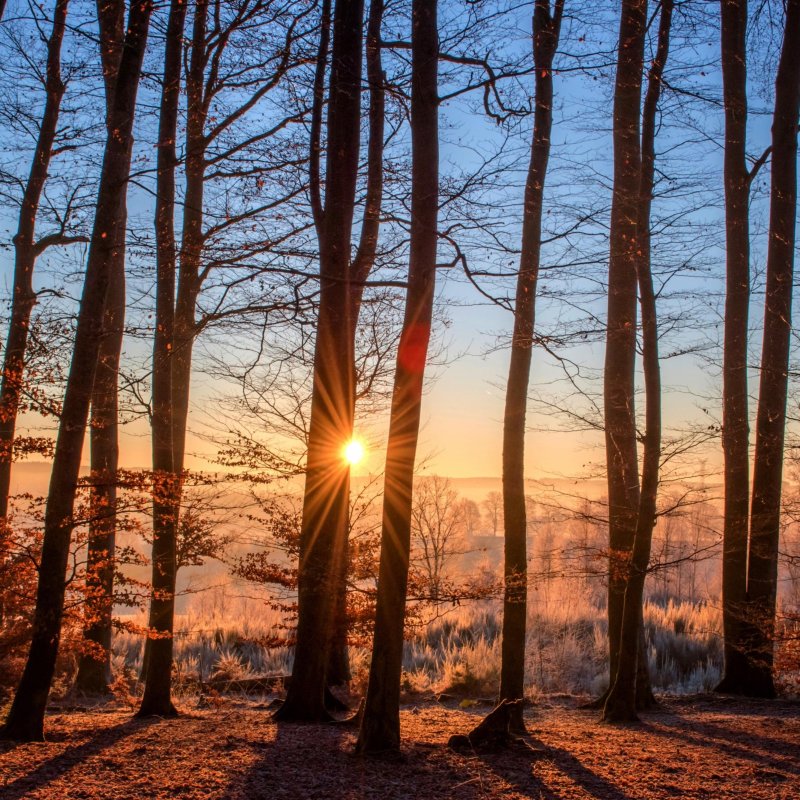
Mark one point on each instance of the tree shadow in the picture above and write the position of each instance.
(57, 766)
(422, 769)
(739, 745)
(734, 706)
(517, 767)
(748, 737)
(297, 746)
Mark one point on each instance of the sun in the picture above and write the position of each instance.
(353, 451)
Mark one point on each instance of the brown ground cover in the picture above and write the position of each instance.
(691, 748)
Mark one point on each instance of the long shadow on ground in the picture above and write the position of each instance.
(518, 768)
(52, 769)
(717, 738)
(321, 762)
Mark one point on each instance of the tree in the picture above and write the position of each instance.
(436, 521)
(25, 720)
(338, 670)
(735, 423)
(94, 669)
(471, 515)
(749, 570)
(380, 725)
(631, 667)
(765, 520)
(326, 499)
(158, 664)
(618, 378)
(546, 31)
(221, 89)
(26, 251)
(493, 503)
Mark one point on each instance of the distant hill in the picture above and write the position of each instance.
(30, 476)
(34, 476)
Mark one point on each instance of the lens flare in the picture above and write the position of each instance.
(353, 451)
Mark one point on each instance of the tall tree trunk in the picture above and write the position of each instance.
(619, 398)
(621, 703)
(380, 726)
(25, 253)
(157, 699)
(192, 239)
(364, 259)
(735, 425)
(772, 396)
(94, 669)
(325, 504)
(26, 717)
(546, 29)
(338, 660)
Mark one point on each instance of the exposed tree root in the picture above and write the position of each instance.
(598, 704)
(354, 720)
(334, 703)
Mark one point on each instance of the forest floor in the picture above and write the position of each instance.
(701, 747)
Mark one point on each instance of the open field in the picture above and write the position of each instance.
(699, 747)
(459, 651)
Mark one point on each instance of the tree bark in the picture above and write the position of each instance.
(94, 668)
(325, 503)
(735, 425)
(360, 269)
(619, 398)
(26, 717)
(772, 396)
(25, 253)
(380, 726)
(157, 699)
(546, 29)
(621, 703)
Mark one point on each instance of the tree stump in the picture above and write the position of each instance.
(495, 732)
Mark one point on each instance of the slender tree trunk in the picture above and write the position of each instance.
(338, 660)
(772, 396)
(317, 114)
(25, 253)
(94, 669)
(157, 699)
(380, 726)
(192, 239)
(735, 425)
(325, 504)
(26, 717)
(620, 413)
(546, 29)
(364, 259)
(621, 703)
